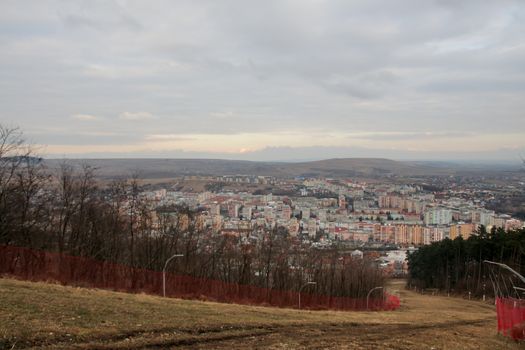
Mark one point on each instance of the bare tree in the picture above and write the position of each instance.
(17, 173)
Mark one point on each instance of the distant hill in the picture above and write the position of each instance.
(338, 167)
(370, 167)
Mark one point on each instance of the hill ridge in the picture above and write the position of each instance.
(331, 167)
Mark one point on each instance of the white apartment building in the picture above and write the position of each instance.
(438, 216)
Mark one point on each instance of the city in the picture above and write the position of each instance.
(323, 212)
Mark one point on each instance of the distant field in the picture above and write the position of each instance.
(39, 315)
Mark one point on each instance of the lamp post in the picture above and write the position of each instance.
(301, 289)
(368, 295)
(505, 267)
(164, 273)
(493, 284)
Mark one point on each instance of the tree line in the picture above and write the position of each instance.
(66, 210)
(458, 265)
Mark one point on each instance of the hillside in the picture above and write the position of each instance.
(343, 167)
(39, 315)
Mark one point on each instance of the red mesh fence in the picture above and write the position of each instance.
(511, 317)
(37, 265)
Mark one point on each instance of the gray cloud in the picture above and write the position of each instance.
(85, 117)
(136, 116)
(82, 138)
(414, 135)
(151, 68)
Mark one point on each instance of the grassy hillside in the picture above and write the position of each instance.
(39, 315)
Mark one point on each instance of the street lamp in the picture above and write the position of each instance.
(164, 273)
(301, 289)
(368, 295)
(505, 267)
(515, 273)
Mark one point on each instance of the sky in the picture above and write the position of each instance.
(266, 80)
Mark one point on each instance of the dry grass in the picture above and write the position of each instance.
(39, 315)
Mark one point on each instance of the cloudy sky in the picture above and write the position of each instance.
(266, 80)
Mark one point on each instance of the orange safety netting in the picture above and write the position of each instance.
(37, 265)
(511, 317)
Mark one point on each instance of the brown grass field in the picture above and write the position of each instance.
(49, 316)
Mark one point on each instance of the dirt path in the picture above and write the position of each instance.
(423, 322)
